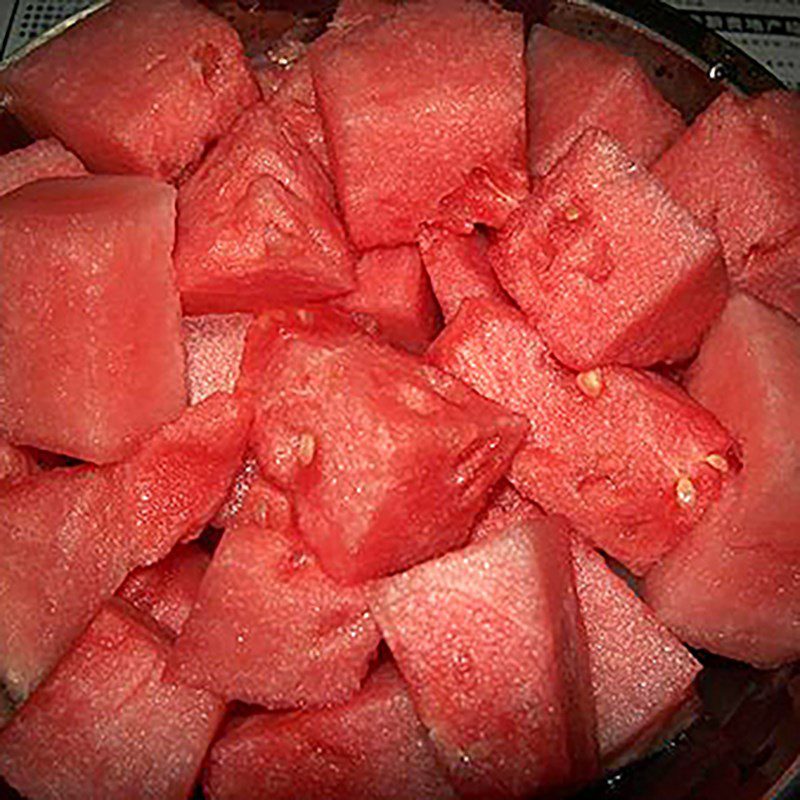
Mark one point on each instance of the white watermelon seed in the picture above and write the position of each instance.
(591, 382)
(685, 491)
(306, 449)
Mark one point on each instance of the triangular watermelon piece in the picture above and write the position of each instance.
(394, 297)
(257, 224)
(619, 99)
(626, 456)
(371, 748)
(155, 82)
(167, 590)
(738, 170)
(47, 158)
(414, 101)
(214, 344)
(610, 268)
(70, 536)
(458, 267)
(387, 459)
(490, 641)
(105, 727)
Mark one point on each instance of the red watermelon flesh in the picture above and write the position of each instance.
(166, 591)
(623, 454)
(257, 224)
(458, 267)
(354, 12)
(738, 170)
(412, 103)
(214, 344)
(245, 478)
(371, 748)
(89, 312)
(270, 627)
(505, 508)
(387, 459)
(70, 536)
(642, 676)
(15, 463)
(394, 296)
(619, 99)
(269, 76)
(142, 86)
(47, 158)
(105, 727)
(490, 641)
(608, 266)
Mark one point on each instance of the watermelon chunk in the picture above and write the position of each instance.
(47, 158)
(458, 267)
(412, 103)
(491, 644)
(387, 459)
(733, 587)
(607, 265)
(627, 456)
(141, 86)
(15, 463)
(738, 170)
(105, 727)
(167, 590)
(619, 99)
(214, 345)
(70, 536)
(270, 627)
(394, 296)
(371, 748)
(88, 312)
(257, 225)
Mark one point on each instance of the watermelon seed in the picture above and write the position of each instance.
(685, 491)
(306, 449)
(572, 214)
(591, 382)
(717, 462)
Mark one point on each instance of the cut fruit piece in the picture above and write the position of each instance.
(105, 727)
(458, 267)
(415, 101)
(624, 455)
(387, 459)
(371, 748)
(394, 297)
(271, 628)
(70, 536)
(257, 224)
(140, 86)
(214, 345)
(738, 170)
(619, 99)
(89, 312)
(15, 463)
(167, 590)
(490, 641)
(607, 265)
(47, 158)
(733, 587)
(642, 676)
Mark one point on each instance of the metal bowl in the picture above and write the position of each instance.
(746, 744)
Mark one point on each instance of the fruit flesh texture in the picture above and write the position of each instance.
(270, 627)
(490, 642)
(15, 463)
(88, 311)
(458, 267)
(105, 727)
(607, 265)
(142, 86)
(257, 224)
(394, 296)
(47, 158)
(70, 536)
(167, 590)
(393, 160)
(612, 463)
(751, 200)
(214, 344)
(733, 587)
(371, 748)
(619, 99)
(386, 458)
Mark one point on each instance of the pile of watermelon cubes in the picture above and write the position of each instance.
(388, 425)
